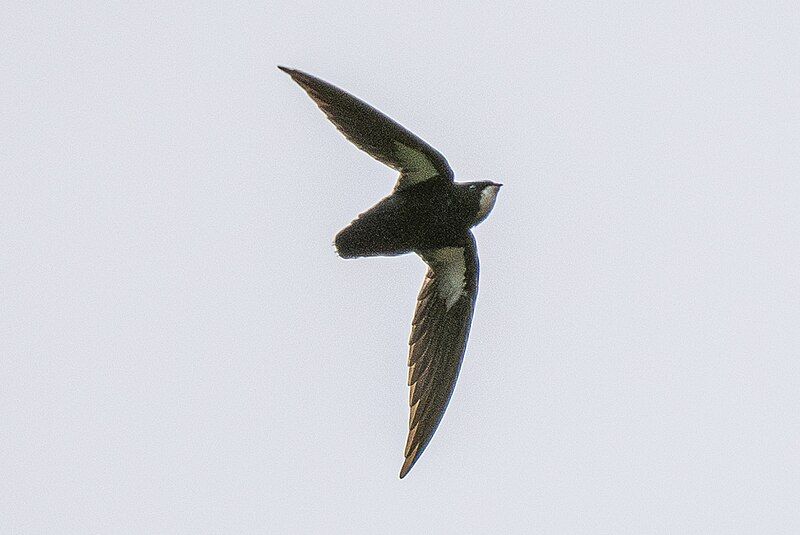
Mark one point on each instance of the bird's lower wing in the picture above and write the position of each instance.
(438, 340)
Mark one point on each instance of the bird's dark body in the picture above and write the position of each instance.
(428, 215)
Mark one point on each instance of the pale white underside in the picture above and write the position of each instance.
(416, 166)
(450, 268)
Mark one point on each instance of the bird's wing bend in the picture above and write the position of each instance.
(375, 133)
(438, 339)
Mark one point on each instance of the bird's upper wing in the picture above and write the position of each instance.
(438, 339)
(375, 133)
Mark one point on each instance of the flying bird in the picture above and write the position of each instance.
(429, 214)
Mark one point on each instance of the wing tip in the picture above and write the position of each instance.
(412, 456)
(294, 73)
(407, 467)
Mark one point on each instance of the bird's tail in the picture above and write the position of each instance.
(361, 238)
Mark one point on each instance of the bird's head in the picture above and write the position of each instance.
(482, 195)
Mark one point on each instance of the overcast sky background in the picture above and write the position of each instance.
(183, 352)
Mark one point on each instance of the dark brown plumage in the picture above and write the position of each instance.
(428, 214)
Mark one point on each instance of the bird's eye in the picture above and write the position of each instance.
(472, 186)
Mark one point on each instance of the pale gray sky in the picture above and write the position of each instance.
(183, 352)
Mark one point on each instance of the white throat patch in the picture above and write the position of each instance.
(486, 203)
